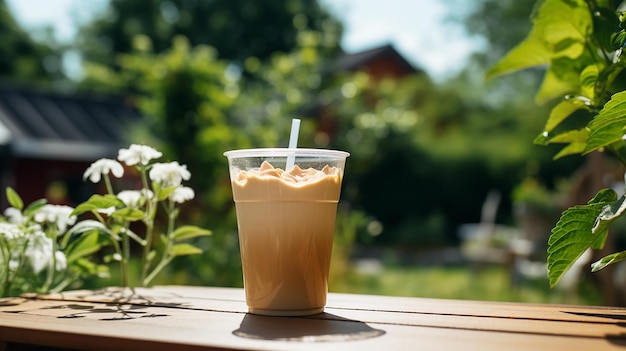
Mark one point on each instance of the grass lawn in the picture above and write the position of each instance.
(457, 282)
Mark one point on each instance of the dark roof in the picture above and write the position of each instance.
(41, 124)
(354, 61)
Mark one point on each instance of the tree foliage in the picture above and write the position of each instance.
(581, 43)
(237, 29)
(24, 59)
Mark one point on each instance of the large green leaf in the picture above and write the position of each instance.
(574, 233)
(561, 78)
(559, 30)
(529, 53)
(608, 126)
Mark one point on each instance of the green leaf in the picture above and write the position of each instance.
(529, 53)
(105, 201)
(83, 208)
(571, 149)
(573, 234)
(164, 193)
(151, 255)
(87, 225)
(577, 140)
(34, 207)
(91, 225)
(189, 231)
(573, 136)
(97, 202)
(129, 214)
(608, 126)
(589, 79)
(83, 246)
(558, 31)
(561, 78)
(607, 260)
(14, 199)
(561, 111)
(185, 249)
(608, 215)
(85, 266)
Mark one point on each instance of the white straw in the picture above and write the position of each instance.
(293, 143)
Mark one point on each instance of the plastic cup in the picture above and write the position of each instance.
(286, 223)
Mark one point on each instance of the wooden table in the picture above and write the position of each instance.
(202, 318)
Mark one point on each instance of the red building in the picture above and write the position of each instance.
(47, 141)
(379, 62)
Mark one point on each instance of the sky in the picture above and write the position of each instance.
(418, 29)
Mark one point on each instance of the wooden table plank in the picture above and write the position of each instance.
(194, 318)
(473, 315)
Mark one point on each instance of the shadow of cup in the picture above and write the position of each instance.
(320, 328)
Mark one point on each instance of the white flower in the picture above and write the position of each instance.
(169, 174)
(14, 215)
(10, 231)
(58, 215)
(130, 198)
(103, 166)
(135, 198)
(135, 154)
(182, 194)
(61, 261)
(14, 264)
(39, 251)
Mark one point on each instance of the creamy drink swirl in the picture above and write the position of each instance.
(286, 224)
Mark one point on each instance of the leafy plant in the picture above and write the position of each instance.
(582, 43)
(43, 249)
(161, 184)
(37, 251)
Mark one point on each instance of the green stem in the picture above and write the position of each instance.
(125, 257)
(107, 183)
(151, 205)
(123, 269)
(52, 267)
(167, 257)
(6, 254)
(164, 262)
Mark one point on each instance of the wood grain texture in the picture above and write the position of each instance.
(205, 318)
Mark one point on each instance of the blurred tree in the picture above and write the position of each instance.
(24, 59)
(502, 24)
(237, 29)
